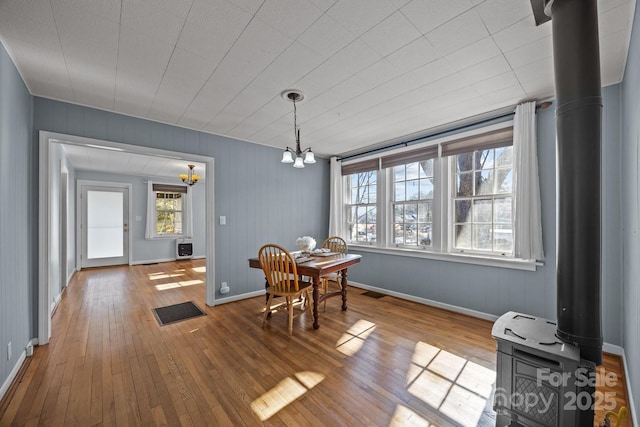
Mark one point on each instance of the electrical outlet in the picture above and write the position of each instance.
(224, 288)
(9, 351)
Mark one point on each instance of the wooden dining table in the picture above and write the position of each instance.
(318, 266)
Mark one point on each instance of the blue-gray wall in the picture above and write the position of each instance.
(18, 219)
(630, 197)
(153, 250)
(263, 199)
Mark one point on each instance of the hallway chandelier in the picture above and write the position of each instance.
(287, 156)
(189, 177)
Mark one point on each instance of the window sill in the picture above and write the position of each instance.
(487, 261)
(167, 237)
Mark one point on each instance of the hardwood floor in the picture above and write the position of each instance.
(385, 361)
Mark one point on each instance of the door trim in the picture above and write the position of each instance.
(85, 182)
(46, 139)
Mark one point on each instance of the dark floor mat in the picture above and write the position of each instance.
(177, 312)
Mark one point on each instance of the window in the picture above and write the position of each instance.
(413, 203)
(168, 211)
(362, 209)
(482, 203)
(448, 196)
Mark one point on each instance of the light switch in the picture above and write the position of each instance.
(223, 220)
(138, 218)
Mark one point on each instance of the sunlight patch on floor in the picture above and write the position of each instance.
(352, 341)
(284, 393)
(456, 387)
(158, 276)
(404, 416)
(181, 284)
(202, 269)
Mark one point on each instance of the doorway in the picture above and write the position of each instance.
(48, 229)
(104, 224)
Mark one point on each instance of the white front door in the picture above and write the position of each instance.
(104, 226)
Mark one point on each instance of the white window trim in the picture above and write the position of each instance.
(186, 210)
(442, 236)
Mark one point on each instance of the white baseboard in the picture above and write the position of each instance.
(613, 349)
(437, 304)
(632, 406)
(12, 374)
(239, 297)
(69, 277)
(152, 261)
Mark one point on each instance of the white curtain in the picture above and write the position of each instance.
(527, 213)
(187, 210)
(336, 212)
(151, 209)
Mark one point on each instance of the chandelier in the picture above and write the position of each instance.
(287, 156)
(189, 177)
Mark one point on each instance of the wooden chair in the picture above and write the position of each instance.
(280, 270)
(334, 244)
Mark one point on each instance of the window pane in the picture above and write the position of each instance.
(412, 171)
(502, 211)
(363, 195)
(463, 236)
(482, 237)
(371, 215)
(484, 183)
(398, 234)
(504, 181)
(410, 234)
(426, 168)
(426, 189)
(503, 238)
(372, 194)
(412, 190)
(372, 176)
(464, 185)
(504, 156)
(410, 213)
(398, 213)
(424, 234)
(464, 162)
(424, 212)
(484, 159)
(399, 192)
(482, 210)
(354, 180)
(463, 210)
(398, 173)
(354, 195)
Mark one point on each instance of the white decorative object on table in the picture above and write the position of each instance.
(306, 243)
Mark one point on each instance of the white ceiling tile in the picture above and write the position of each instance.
(499, 14)
(358, 16)
(472, 54)
(250, 6)
(461, 31)
(497, 83)
(613, 56)
(521, 33)
(486, 69)
(413, 55)
(605, 5)
(108, 9)
(536, 70)
(145, 17)
(76, 23)
(290, 18)
(326, 36)
(225, 71)
(427, 15)
(212, 28)
(344, 64)
(531, 52)
(391, 34)
(25, 10)
(614, 19)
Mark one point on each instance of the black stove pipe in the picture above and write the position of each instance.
(578, 121)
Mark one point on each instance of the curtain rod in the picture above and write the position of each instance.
(542, 105)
